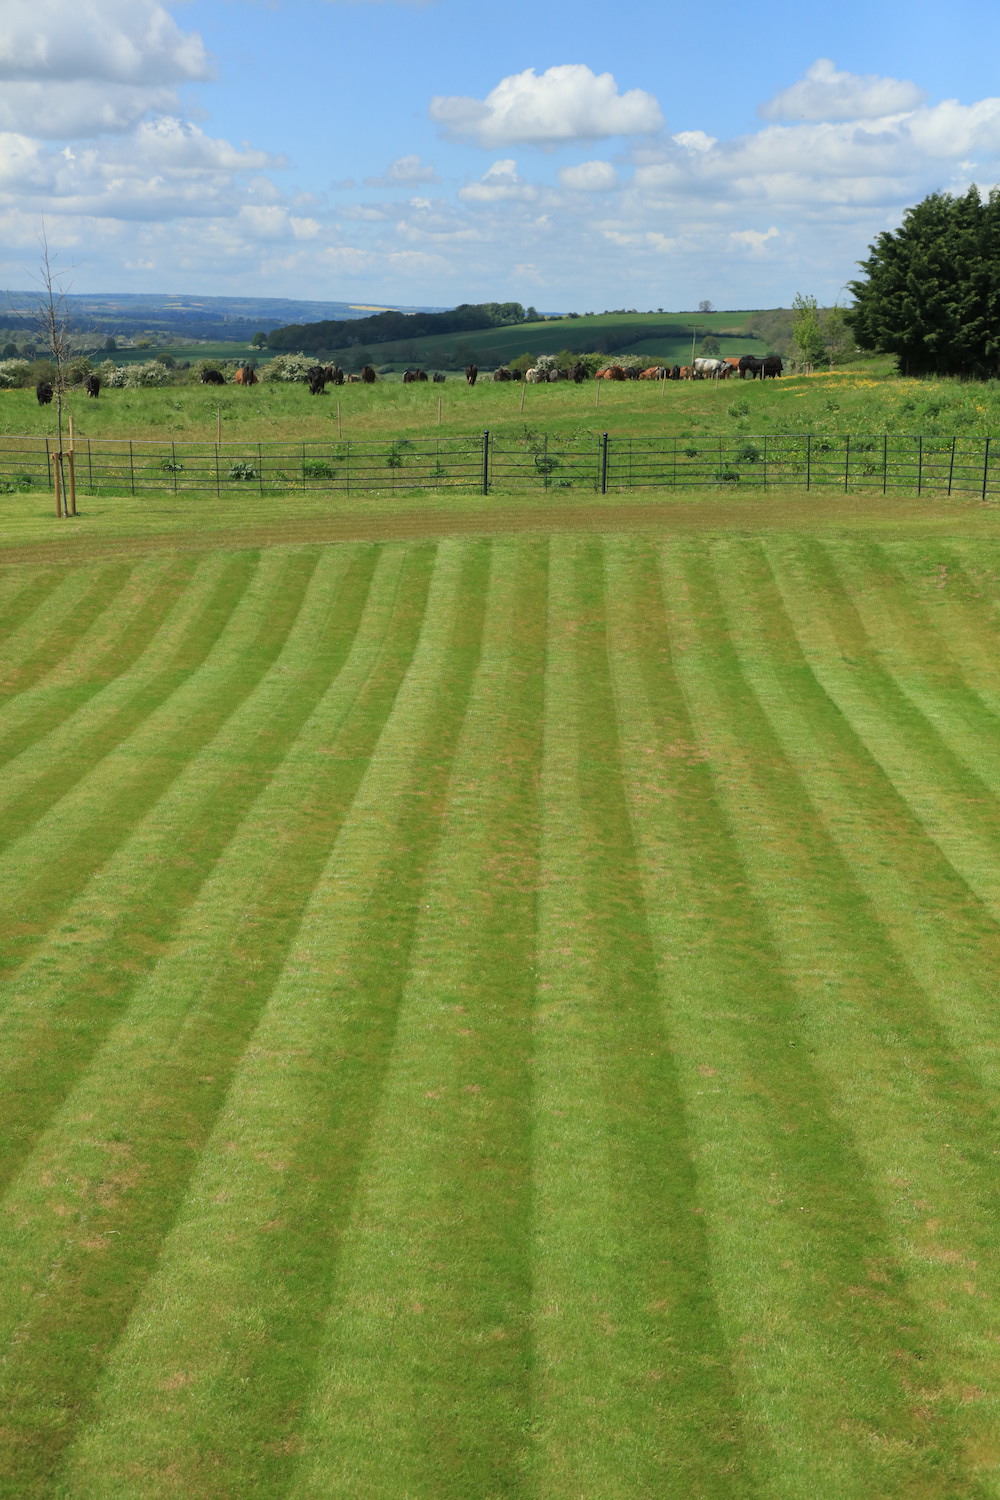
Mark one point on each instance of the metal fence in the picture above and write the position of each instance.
(533, 462)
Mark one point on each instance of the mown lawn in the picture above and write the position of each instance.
(502, 1010)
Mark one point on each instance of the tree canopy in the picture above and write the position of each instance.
(931, 293)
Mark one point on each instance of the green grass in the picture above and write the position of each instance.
(500, 1002)
(861, 401)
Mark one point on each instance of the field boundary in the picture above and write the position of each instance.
(600, 463)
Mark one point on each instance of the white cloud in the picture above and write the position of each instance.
(694, 140)
(589, 177)
(753, 239)
(826, 94)
(501, 183)
(75, 68)
(405, 171)
(566, 103)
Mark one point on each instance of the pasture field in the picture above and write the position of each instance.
(857, 400)
(501, 1003)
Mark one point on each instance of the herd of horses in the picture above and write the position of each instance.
(318, 377)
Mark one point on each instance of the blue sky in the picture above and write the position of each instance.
(605, 153)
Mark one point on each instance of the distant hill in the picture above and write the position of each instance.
(233, 319)
(453, 339)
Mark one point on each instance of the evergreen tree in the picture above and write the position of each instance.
(932, 290)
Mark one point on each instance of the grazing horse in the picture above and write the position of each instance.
(502, 373)
(437, 378)
(43, 392)
(578, 372)
(410, 375)
(245, 375)
(92, 385)
(471, 374)
(368, 375)
(212, 377)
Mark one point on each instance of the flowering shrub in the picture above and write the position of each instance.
(14, 372)
(151, 373)
(287, 367)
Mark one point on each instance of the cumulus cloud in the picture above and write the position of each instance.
(753, 239)
(74, 68)
(501, 183)
(565, 103)
(826, 94)
(405, 171)
(590, 177)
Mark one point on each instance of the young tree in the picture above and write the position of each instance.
(703, 307)
(931, 289)
(807, 330)
(52, 323)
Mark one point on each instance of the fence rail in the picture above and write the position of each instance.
(601, 463)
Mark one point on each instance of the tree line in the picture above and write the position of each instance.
(390, 327)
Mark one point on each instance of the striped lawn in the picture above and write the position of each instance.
(506, 1017)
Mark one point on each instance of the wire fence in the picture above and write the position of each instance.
(485, 462)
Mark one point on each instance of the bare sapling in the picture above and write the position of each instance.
(52, 321)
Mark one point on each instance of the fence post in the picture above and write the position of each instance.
(986, 466)
(951, 465)
(604, 463)
(920, 466)
(486, 462)
(809, 454)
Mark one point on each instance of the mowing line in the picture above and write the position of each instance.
(41, 871)
(837, 1366)
(29, 652)
(633, 1395)
(63, 1001)
(22, 592)
(433, 1284)
(909, 1065)
(917, 656)
(116, 640)
(956, 809)
(126, 1139)
(288, 1148)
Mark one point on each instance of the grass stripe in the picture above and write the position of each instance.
(61, 1005)
(65, 750)
(22, 592)
(333, 1014)
(125, 1149)
(632, 1388)
(433, 1287)
(839, 1347)
(916, 1067)
(51, 862)
(954, 806)
(38, 645)
(119, 638)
